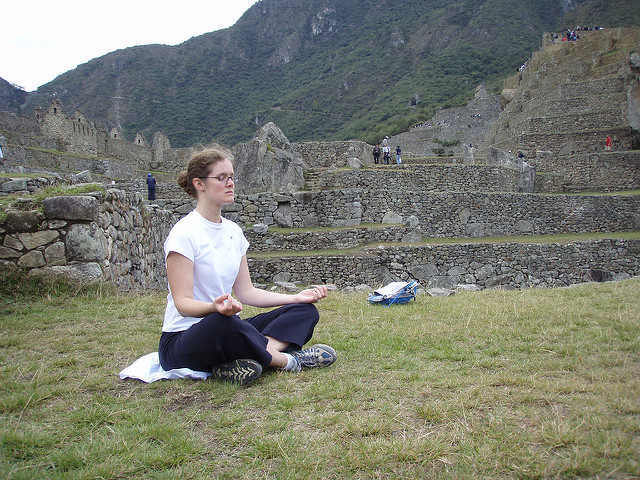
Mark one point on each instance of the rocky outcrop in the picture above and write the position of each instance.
(268, 163)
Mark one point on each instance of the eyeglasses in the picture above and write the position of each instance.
(224, 178)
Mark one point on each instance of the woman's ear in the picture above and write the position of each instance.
(198, 184)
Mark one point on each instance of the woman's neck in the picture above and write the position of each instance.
(213, 213)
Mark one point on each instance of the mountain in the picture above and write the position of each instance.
(11, 97)
(320, 69)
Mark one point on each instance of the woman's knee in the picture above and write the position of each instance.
(307, 310)
(312, 311)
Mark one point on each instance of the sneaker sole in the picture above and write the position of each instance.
(243, 371)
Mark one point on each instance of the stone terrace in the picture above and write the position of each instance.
(565, 103)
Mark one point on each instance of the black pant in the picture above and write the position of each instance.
(220, 339)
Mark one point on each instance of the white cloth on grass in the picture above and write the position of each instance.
(148, 369)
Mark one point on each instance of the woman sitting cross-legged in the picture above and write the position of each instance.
(206, 260)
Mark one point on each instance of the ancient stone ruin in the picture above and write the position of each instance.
(491, 175)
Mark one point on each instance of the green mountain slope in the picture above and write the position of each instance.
(319, 69)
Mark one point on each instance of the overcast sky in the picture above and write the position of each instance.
(41, 39)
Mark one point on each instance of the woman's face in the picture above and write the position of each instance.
(219, 185)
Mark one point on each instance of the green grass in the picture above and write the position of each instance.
(542, 383)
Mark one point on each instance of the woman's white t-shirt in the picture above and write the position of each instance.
(216, 250)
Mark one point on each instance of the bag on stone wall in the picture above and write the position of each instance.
(394, 293)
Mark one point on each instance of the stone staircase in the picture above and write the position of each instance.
(313, 178)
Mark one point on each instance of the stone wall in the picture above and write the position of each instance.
(111, 236)
(423, 213)
(114, 236)
(69, 162)
(135, 234)
(486, 265)
(444, 214)
(598, 171)
(27, 185)
(270, 241)
(578, 142)
(425, 178)
(333, 154)
(541, 106)
(142, 155)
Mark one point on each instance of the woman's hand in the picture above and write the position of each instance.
(311, 295)
(227, 305)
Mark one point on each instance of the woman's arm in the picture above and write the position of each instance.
(180, 277)
(247, 293)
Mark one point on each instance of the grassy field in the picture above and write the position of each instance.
(497, 384)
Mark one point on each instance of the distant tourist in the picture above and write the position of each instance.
(398, 158)
(206, 260)
(572, 36)
(151, 187)
(608, 146)
(376, 154)
(386, 154)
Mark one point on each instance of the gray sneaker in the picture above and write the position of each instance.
(318, 355)
(243, 371)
